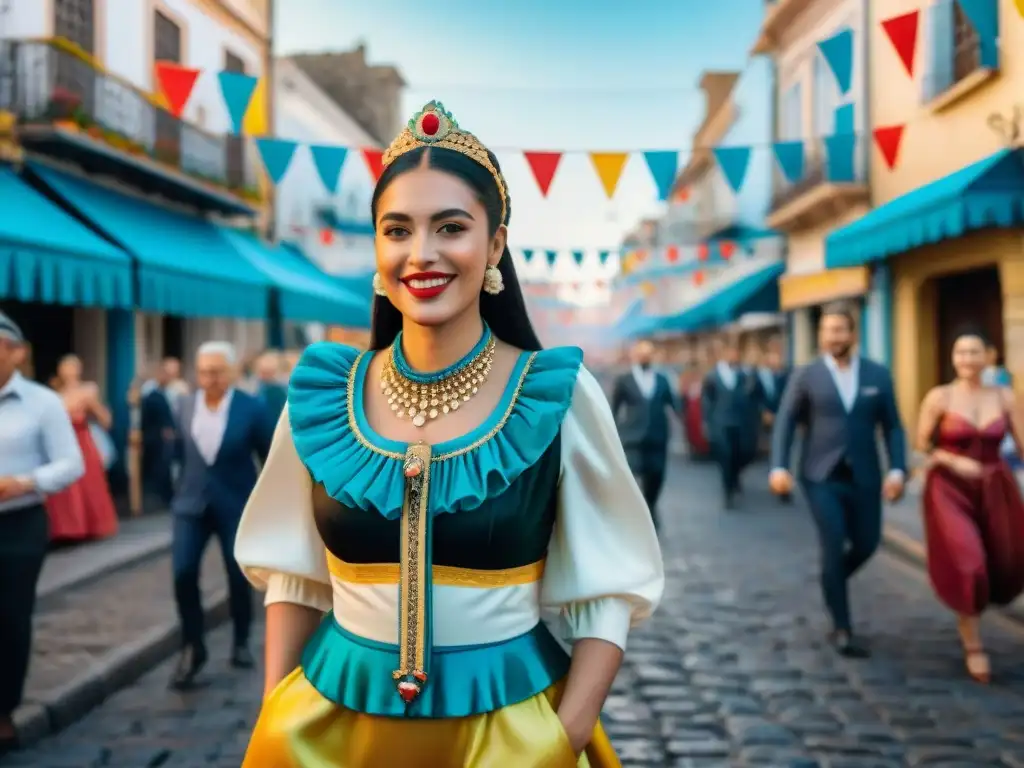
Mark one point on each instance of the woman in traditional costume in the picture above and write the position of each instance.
(972, 504)
(436, 497)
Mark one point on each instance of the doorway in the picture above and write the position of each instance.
(173, 336)
(966, 300)
(50, 331)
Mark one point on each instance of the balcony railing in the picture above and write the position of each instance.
(816, 172)
(50, 84)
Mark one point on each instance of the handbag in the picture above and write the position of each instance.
(104, 444)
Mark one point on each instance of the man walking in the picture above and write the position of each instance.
(730, 408)
(39, 455)
(641, 399)
(158, 436)
(842, 400)
(222, 432)
(269, 387)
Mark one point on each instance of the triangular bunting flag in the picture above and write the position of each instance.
(328, 162)
(984, 17)
(374, 159)
(888, 138)
(902, 33)
(543, 165)
(578, 257)
(672, 254)
(552, 257)
(276, 155)
(237, 89)
(176, 83)
(1020, 8)
(702, 252)
(790, 157)
(726, 249)
(527, 255)
(682, 194)
(839, 165)
(838, 53)
(733, 161)
(698, 278)
(255, 121)
(603, 256)
(609, 167)
(663, 167)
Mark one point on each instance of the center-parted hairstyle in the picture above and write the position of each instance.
(434, 132)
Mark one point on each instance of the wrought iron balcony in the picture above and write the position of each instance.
(67, 107)
(814, 196)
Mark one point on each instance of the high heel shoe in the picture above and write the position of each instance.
(976, 661)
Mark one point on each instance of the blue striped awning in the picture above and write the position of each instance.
(185, 266)
(989, 193)
(48, 256)
(307, 294)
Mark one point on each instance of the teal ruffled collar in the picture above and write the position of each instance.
(364, 470)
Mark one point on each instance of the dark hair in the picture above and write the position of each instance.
(973, 331)
(505, 312)
(840, 309)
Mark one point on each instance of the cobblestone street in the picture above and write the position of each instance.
(733, 671)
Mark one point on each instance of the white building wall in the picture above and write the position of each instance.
(305, 113)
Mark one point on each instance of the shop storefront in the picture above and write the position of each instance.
(955, 254)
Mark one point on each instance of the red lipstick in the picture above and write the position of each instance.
(427, 285)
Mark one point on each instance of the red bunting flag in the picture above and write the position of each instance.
(176, 83)
(888, 139)
(698, 278)
(902, 32)
(727, 249)
(374, 161)
(672, 254)
(326, 236)
(543, 165)
(702, 252)
(682, 194)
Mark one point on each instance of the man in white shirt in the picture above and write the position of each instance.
(222, 434)
(842, 400)
(39, 455)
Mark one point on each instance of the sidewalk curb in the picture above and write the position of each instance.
(913, 550)
(115, 670)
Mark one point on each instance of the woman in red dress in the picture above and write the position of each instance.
(973, 510)
(84, 510)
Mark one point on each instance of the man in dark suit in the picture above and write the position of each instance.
(841, 400)
(222, 433)
(641, 399)
(773, 377)
(731, 410)
(158, 437)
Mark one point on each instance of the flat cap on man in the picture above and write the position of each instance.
(9, 330)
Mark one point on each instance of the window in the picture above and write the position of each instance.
(234, 147)
(75, 20)
(826, 99)
(791, 114)
(167, 47)
(955, 50)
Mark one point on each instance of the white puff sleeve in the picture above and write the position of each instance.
(604, 572)
(277, 546)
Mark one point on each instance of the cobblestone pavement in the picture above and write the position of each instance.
(732, 671)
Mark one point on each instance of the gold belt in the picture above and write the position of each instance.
(441, 575)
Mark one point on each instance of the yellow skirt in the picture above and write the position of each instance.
(299, 728)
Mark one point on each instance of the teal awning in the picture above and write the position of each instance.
(989, 193)
(307, 294)
(48, 256)
(756, 292)
(185, 266)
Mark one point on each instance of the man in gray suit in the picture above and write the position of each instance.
(222, 434)
(641, 400)
(731, 411)
(842, 400)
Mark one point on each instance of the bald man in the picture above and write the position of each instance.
(641, 400)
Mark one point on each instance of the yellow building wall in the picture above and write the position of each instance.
(936, 142)
(915, 322)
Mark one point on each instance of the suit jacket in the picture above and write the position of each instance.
(774, 397)
(156, 417)
(226, 484)
(832, 434)
(274, 397)
(642, 421)
(739, 407)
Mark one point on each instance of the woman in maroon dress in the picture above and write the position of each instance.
(84, 510)
(973, 510)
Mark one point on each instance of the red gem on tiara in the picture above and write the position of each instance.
(430, 124)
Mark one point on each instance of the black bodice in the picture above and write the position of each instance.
(510, 530)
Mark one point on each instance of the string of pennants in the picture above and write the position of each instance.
(176, 83)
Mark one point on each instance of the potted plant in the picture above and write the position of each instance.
(62, 107)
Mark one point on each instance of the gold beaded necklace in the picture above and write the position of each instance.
(428, 400)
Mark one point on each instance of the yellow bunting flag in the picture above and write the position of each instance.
(1020, 8)
(255, 122)
(609, 167)
(647, 289)
(628, 262)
